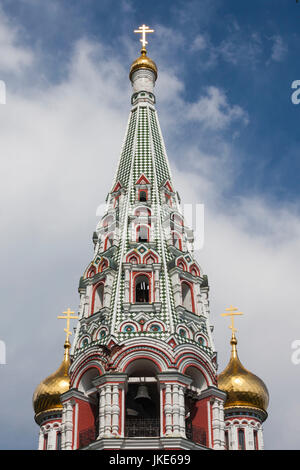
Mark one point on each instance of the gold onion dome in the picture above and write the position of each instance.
(47, 394)
(143, 62)
(244, 389)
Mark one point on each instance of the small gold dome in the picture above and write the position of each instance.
(143, 62)
(47, 394)
(243, 388)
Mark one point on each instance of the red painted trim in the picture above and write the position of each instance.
(139, 194)
(131, 255)
(195, 267)
(77, 378)
(106, 241)
(148, 255)
(192, 292)
(135, 276)
(168, 199)
(168, 186)
(141, 357)
(117, 187)
(178, 237)
(142, 180)
(95, 287)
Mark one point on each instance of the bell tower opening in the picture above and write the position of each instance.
(142, 401)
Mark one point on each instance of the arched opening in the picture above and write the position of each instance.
(109, 241)
(142, 402)
(177, 242)
(89, 413)
(98, 298)
(142, 289)
(195, 430)
(187, 296)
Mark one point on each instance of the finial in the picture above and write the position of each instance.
(143, 30)
(68, 317)
(231, 312)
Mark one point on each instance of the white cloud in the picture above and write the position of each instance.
(14, 56)
(199, 43)
(279, 49)
(214, 111)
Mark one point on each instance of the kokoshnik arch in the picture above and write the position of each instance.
(142, 370)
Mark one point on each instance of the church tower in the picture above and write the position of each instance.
(143, 367)
(246, 404)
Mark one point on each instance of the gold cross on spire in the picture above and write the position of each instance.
(231, 312)
(68, 317)
(143, 30)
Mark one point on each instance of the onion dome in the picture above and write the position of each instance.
(47, 394)
(244, 389)
(143, 62)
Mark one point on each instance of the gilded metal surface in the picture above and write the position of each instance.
(143, 62)
(243, 388)
(47, 394)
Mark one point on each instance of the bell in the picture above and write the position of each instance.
(142, 393)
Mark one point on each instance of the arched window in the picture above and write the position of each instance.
(143, 196)
(142, 234)
(142, 289)
(150, 260)
(177, 241)
(143, 214)
(133, 260)
(187, 297)
(168, 200)
(109, 241)
(98, 299)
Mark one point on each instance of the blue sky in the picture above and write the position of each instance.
(231, 131)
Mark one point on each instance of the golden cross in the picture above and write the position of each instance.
(231, 312)
(68, 317)
(143, 30)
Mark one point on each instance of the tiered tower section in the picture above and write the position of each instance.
(143, 362)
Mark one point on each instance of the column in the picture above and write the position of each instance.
(181, 411)
(111, 404)
(176, 410)
(218, 424)
(101, 412)
(107, 411)
(115, 410)
(168, 411)
(260, 439)
(68, 430)
(41, 440)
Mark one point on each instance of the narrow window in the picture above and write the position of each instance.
(187, 296)
(255, 436)
(143, 196)
(45, 441)
(98, 302)
(226, 439)
(241, 437)
(58, 441)
(142, 289)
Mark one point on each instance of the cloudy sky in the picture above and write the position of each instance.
(232, 137)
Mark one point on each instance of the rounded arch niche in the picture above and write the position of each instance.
(142, 400)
